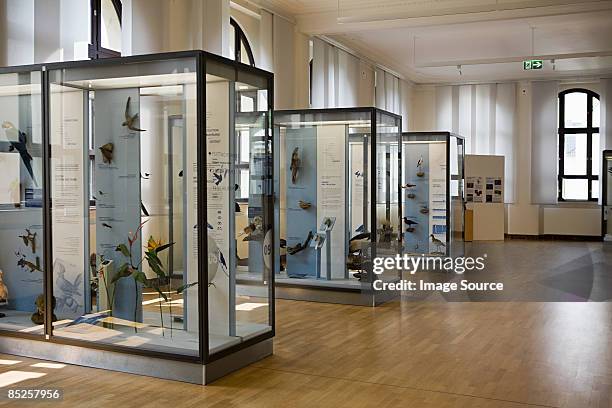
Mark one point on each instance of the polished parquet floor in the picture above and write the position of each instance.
(403, 354)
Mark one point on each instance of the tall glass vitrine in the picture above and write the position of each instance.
(606, 227)
(145, 176)
(338, 201)
(432, 192)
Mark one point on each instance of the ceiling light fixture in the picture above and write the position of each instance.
(459, 69)
(553, 62)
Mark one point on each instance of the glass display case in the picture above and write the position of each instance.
(338, 201)
(606, 227)
(157, 167)
(432, 191)
(22, 253)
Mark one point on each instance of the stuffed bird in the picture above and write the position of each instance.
(300, 246)
(437, 242)
(304, 205)
(130, 120)
(295, 164)
(3, 289)
(107, 152)
(18, 141)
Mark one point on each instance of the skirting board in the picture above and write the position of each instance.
(135, 364)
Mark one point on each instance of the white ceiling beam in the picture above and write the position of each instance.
(328, 23)
(501, 60)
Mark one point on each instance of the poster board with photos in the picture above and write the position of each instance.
(484, 194)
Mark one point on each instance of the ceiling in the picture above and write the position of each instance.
(432, 41)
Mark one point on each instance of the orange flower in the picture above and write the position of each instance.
(152, 244)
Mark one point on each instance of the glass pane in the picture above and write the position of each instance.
(388, 218)
(111, 27)
(596, 159)
(575, 189)
(596, 112)
(21, 184)
(575, 154)
(118, 283)
(323, 179)
(576, 109)
(244, 55)
(424, 191)
(232, 43)
(595, 188)
(240, 243)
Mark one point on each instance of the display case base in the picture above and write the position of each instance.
(136, 364)
(339, 291)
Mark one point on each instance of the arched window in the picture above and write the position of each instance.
(579, 158)
(240, 49)
(105, 26)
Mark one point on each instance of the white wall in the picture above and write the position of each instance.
(431, 109)
(36, 31)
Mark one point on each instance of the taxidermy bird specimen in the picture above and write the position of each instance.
(300, 246)
(18, 141)
(107, 152)
(145, 176)
(180, 173)
(410, 224)
(38, 317)
(130, 120)
(408, 185)
(420, 172)
(424, 210)
(29, 239)
(248, 230)
(360, 228)
(3, 289)
(355, 243)
(106, 225)
(358, 174)
(217, 179)
(23, 263)
(304, 205)
(439, 244)
(295, 164)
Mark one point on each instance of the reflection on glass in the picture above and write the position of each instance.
(111, 27)
(21, 183)
(596, 155)
(327, 180)
(428, 227)
(238, 178)
(575, 154)
(125, 268)
(596, 112)
(575, 109)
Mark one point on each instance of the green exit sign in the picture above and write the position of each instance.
(532, 64)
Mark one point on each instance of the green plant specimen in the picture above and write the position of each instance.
(130, 269)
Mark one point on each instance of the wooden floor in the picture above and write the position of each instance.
(403, 354)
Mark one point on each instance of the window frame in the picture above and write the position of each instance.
(95, 48)
(589, 130)
(240, 38)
